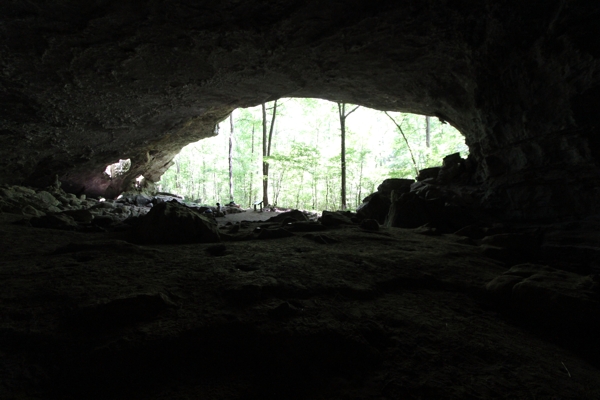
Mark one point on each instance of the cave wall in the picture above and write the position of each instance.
(84, 84)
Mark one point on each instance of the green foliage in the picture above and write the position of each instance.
(304, 164)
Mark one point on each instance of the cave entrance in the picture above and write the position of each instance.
(304, 163)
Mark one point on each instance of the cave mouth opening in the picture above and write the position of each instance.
(303, 152)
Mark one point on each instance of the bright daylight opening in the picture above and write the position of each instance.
(303, 151)
(139, 180)
(118, 168)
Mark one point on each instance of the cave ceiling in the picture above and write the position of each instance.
(83, 84)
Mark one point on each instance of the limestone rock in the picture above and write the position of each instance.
(30, 211)
(369, 225)
(54, 221)
(557, 299)
(452, 167)
(46, 199)
(376, 206)
(396, 185)
(429, 173)
(519, 80)
(294, 215)
(511, 247)
(84, 216)
(335, 218)
(173, 223)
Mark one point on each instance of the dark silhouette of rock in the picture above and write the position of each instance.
(335, 218)
(376, 206)
(369, 225)
(389, 315)
(524, 96)
(171, 223)
(428, 173)
(54, 221)
(276, 233)
(295, 215)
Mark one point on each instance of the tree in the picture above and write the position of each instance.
(267, 141)
(305, 162)
(343, 115)
(399, 126)
(250, 197)
(427, 132)
(231, 157)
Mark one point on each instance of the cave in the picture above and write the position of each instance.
(498, 297)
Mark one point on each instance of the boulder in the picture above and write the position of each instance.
(46, 199)
(376, 206)
(22, 190)
(511, 247)
(84, 216)
(335, 218)
(452, 167)
(33, 212)
(295, 215)
(369, 225)
(174, 223)
(428, 173)
(546, 297)
(7, 193)
(106, 205)
(411, 211)
(54, 221)
(396, 185)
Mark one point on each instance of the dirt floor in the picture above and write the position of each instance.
(390, 314)
(246, 215)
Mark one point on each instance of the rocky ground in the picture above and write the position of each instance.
(334, 309)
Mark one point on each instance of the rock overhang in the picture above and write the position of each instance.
(84, 86)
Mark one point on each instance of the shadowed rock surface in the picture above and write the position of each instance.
(83, 86)
(479, 280)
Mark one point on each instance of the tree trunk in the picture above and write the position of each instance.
(343, 129)
(327, 194)
(360, 178)
(265, 166)
(267, 141)
(204, 194)
(231, 157)
(399, 126)
(427, 132)
(299, 189)
(277, 187)
(343, 116)
(250, 200)
(215, 191)
(177, 177)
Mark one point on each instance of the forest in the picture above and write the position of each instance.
(290, 154)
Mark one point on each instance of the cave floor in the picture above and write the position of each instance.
(371, 315)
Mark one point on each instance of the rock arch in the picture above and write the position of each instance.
(83, 86)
